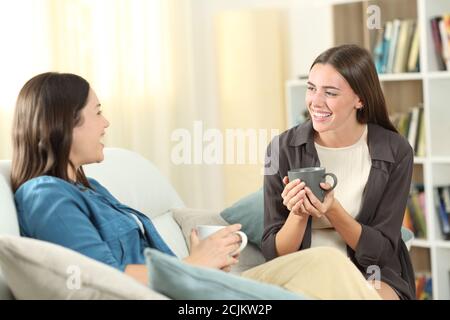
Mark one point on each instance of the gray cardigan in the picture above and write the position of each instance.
(382, 209)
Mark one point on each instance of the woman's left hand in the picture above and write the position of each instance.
(313, 206)
(228, 268)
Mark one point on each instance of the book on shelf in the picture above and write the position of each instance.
(403, 46)
(441, 198)
(415, 213)
(413, 58)
(446, 19)
(424, 286)
(420, 142)
(393, 45)
(411, 126)
(440, 31)
(397, 47)
(386, 47)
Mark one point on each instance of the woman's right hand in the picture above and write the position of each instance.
(293, 195)
(216, 251)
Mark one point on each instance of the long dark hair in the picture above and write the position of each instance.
(355, 64)
(47, 110)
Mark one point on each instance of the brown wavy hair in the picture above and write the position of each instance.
(355, 64)
(48, 108)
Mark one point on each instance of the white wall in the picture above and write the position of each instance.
(310, 24)
(309, 29)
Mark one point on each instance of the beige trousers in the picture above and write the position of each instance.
(320, 273)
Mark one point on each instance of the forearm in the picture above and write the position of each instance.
(290, 236)
(137, 272)
(347, 227)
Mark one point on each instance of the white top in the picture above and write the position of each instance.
(351, 165)
(139, 223)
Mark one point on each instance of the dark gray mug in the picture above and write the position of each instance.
(312, 177)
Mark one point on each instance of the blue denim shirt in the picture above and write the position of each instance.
(91, 222)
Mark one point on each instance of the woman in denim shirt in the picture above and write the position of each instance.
(58, 127)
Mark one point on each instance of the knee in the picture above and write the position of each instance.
(329, 254)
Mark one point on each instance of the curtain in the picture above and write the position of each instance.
(137, 56)
(250, 59)
(23, 31)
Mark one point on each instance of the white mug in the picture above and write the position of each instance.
(205, 231)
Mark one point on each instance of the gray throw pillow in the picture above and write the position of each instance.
(182, 281)
(249, 212)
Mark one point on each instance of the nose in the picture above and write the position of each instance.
(106, 123)
(317, 98)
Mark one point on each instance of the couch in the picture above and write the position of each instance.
(138, 183)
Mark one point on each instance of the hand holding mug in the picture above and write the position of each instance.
(313, 177)
(216, 246)
(293, 194)
(314, 206)
(206, 231)
(319, 195)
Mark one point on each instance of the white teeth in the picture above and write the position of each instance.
(321, 115)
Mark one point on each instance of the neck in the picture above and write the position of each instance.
(71, 173)
(340, 138)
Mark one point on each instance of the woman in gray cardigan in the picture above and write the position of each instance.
(349, 133)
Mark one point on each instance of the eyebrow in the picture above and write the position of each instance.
(326, 87)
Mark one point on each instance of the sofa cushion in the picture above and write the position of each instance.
(135, 182)
(179, 280)
(171, 234)
(36, 269)
(8, 216)
(188, 219)
(8, 213)
(5, 292)
(249, 212)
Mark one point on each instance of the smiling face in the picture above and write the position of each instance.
(331, 102)
(86, 145)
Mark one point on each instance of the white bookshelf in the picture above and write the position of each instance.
(401, 76)
(421, 243)
(438, 75)
(430, 87)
